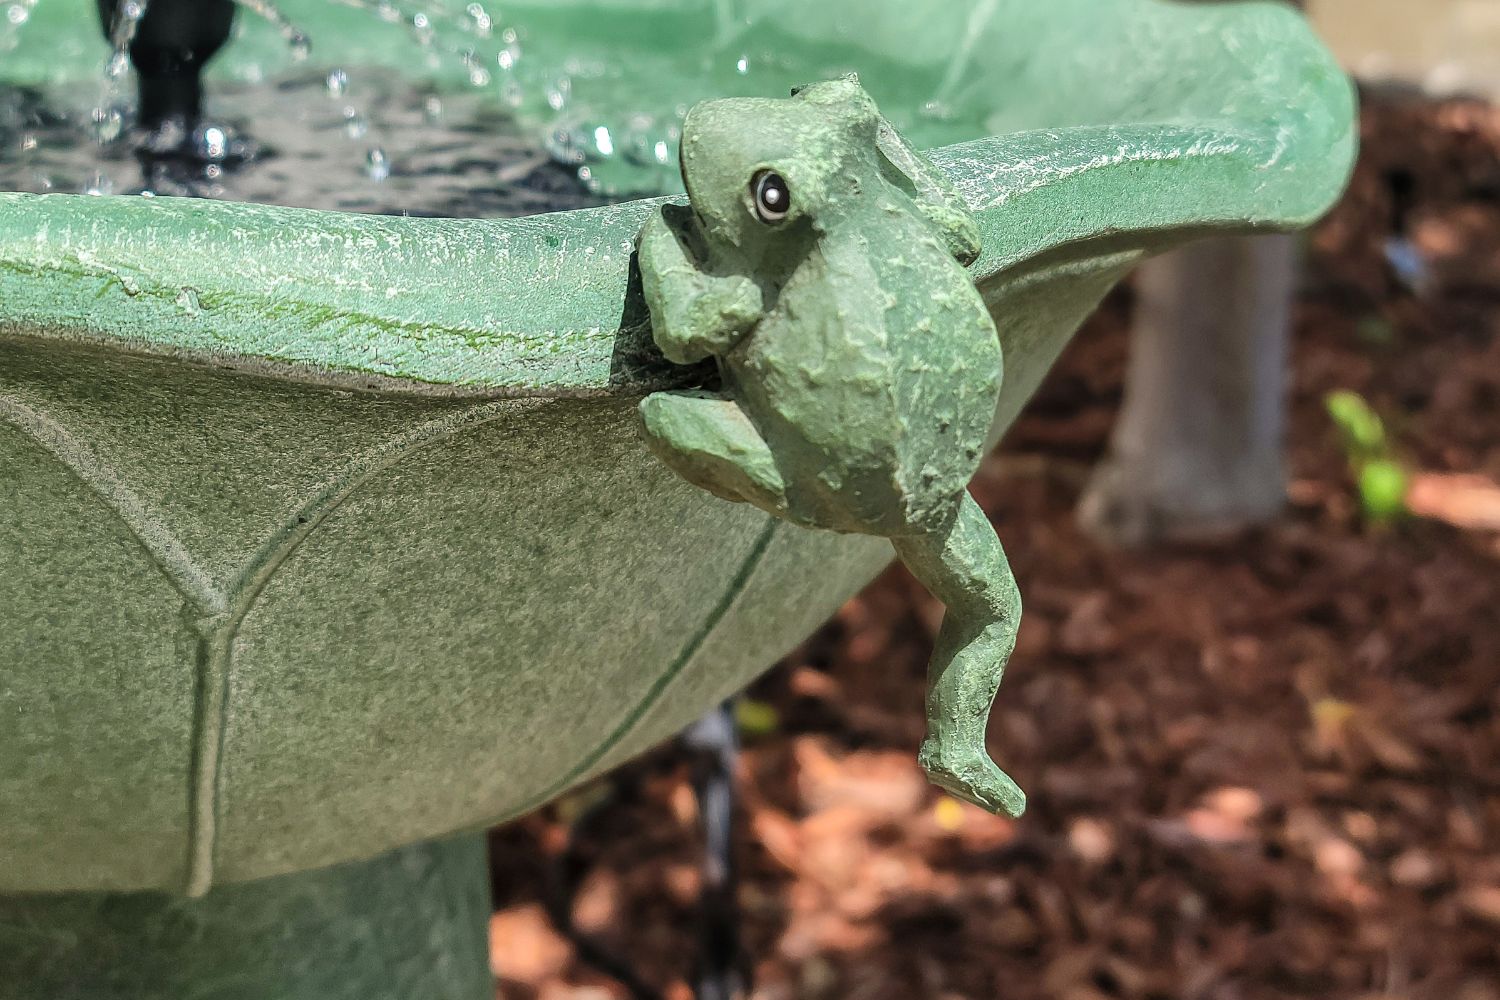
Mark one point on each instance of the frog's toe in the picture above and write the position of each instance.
(971, 775)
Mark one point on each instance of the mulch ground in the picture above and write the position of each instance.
(1267, 767)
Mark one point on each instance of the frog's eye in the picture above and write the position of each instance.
(770, 195)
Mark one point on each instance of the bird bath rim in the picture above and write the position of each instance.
(1150, 187)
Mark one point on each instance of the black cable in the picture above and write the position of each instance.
(722, 971)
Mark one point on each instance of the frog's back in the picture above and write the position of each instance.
(875, 377)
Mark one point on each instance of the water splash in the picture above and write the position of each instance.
(297, 41)
(628, 68)
(442, 31)
(108, 116)
(122, 32)
(467, 159)
(356, 123)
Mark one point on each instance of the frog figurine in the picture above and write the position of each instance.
(821, 264)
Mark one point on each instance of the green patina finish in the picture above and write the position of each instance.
(820, 267)
(324, 534)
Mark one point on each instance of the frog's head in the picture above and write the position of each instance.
(760, 172)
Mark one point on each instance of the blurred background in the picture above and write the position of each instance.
(1264, 759)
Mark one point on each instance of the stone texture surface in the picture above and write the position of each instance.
(322, 534)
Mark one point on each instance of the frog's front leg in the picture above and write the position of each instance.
(709, 441)
(694, 314)
(964, 567)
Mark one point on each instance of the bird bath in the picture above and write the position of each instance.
(327, 534)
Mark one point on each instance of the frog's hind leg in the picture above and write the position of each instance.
(965, 567)
(935, 196)
(709, 441)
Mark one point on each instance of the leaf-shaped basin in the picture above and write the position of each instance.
(324, 533)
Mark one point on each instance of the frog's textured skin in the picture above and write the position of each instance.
(860, 368)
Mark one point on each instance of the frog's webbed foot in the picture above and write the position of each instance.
(965, 568)
(694, 314)
(708, 441)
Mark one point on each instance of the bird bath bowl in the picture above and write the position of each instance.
(326, 534)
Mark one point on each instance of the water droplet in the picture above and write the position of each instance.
(743, 66)
(562, 144)
(107, 124)
(432, 109)
(377, 164)
(17, 13)
(506, 60)
(355, 124)
(213, 143)
(480, 19)
(603, 141)
(118, 65)
(133, 10)
(937, 109)
(28, 141)
(558, 93)
(421, 28)
(337, 82)
(99, 184)
(478, 75)
(509, 36)
(661, 152)
(300, 45)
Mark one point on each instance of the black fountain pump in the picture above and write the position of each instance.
(173, 42)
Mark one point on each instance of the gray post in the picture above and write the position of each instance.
(1197, 450)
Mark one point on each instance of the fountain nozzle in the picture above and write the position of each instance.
(173, 41)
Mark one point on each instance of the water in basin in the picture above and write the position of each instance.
(403, 151)
(318, 134)
(454, 108)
